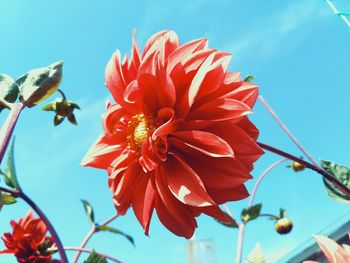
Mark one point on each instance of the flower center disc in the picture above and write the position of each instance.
(139, 128)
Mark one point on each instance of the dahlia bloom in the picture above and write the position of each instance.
(178, 139)
(28, 241)
(332, 251)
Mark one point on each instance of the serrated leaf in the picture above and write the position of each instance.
(250, 78)
(8, 199)
(95, 258)
(116, 231)
(89, 211)
(251, 213)
(232, 224)
(10, 171)
(39, 84)
(342, 173)
(256, 255)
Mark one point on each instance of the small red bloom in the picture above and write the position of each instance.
(178, 139)
(28, 241)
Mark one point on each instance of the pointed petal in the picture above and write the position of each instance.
(143, 201)
(202, 141)
(332, 251)
(184, 183)
(221, 196)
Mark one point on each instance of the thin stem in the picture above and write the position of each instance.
(89, 235)
(91, 251)
(251, 201)
(241, 228)
(48, 224)
(8, 127)
(62, 93)
(315, 168)
(262, 176)
(14, 193)
(30, 202)
(270, 215)
(287, 131)
(335, 10)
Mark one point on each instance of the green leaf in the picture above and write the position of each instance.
(57, 120)
(233, 224)
(95, 258)
(251, 213)
(72, 119)
(256, 255)
(342, 173)
(10, 171)
(116, 231)
(8, 199)
(89, 211)
(39, 84)
(8, 89)
(250, 78)
(50, 107)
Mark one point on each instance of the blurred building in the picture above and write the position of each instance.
(309, 250)
(201, 251)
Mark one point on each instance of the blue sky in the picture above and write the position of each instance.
(297, 50)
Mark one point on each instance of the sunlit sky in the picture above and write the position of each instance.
(298, 52)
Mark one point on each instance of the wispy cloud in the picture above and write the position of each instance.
(277, 32)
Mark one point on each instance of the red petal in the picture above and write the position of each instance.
(202, 141)
(220, 109)
(184, 183)
(218, 172)
(246, 149)
(125, 188)
(215, 212)
(224, 195)
(249, 128)
(165, 41)
(105, 150)
(165, 87)
(183, 52)
(143, 200)
(179, 211)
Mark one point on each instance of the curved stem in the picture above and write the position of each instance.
(261, 177)
(91, 251)
(62, 93)
(8, 127)
(270, 215)
(315, 168)
(287, 131)
(89, 235)
(251, 201)
(40, 213)
(48, 224)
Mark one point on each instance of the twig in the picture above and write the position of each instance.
(40, 213)
(315, 168)
(336, 12)
(91, 251)
(89, 235)
(287, 131)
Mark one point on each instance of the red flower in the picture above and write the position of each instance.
(28, 241)
(177, 140)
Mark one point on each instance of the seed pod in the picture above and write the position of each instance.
(283, 225)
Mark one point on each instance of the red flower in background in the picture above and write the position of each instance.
(178, 139)
(28, 241)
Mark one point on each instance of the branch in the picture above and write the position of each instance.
(91, 251)
(315, 168)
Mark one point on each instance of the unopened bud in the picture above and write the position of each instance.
(297, 167)
(283, 225)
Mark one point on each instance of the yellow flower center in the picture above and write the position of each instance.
(139, 127)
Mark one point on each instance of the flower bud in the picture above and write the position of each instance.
(297, 167)
(283, 225)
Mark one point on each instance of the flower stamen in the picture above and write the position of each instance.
(139, 127)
